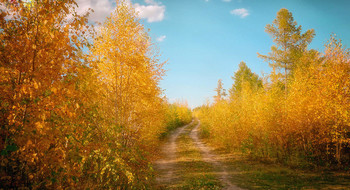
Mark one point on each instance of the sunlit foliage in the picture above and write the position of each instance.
(290, 44)
(79, 109)
(130, 102)
(306, 126)
(40, 102)
(177, 115)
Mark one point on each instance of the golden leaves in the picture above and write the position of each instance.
(54, 90)
(311, 120)
(78, 119)
(39, 125)
(35, 69)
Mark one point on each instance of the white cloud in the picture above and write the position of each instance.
(153, 11)
(151, 2)
(227, 1)
(242, 12)
(206, 0)
(102, 8)
(161, 38)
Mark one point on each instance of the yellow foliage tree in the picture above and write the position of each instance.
(309, 126)
(77, 119)
(40, 58)
(129, 72)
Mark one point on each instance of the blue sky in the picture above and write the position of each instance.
(203, 40)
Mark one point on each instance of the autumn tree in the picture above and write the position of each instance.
(177, 115)
(131, 102)
(333, 85)
(40, 56)
(290, 43)
(128, 66)
(309, 125)
(220, 91)
(244, 76)
(76, 119)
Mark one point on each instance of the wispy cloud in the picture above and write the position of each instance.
(153, 11)
(227, 1)
(206, 0)
(161, 38)
(242, 12)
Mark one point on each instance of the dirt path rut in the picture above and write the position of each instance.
(166, 166)
(210, 157)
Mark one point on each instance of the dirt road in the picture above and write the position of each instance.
(167, 168)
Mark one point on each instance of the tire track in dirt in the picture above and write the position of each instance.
(210, 157)
(167, 165)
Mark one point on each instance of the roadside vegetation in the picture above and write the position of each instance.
(178, 114)
(79, 108)
(297, 117)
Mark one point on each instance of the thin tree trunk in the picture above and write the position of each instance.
(285, 79)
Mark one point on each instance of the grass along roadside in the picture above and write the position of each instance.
(193, 172)
(253, 174)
